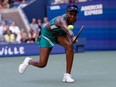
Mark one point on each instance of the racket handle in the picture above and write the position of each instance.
(78, 34)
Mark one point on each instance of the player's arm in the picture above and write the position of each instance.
(61, 22)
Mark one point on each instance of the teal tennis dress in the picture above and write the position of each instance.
(47, 39)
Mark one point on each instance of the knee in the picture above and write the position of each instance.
(39, 64)
(42, 64)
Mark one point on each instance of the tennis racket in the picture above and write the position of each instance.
(78, 34)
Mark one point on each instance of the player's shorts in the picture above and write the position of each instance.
(47, 39)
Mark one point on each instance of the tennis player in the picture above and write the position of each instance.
(56, 32)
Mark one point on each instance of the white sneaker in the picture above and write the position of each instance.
(24, 65)
(67, 78)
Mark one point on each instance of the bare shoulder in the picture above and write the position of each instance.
(60, 19)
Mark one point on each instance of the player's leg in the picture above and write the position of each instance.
(67, 44)
(41, 62)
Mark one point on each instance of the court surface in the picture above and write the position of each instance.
(90, 69)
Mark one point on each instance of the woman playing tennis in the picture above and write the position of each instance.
(56, 32)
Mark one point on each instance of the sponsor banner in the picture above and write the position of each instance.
(18, 49)
(9, 50)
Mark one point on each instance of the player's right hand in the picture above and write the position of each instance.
(74, 39)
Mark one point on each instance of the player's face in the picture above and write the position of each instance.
(71, 16)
